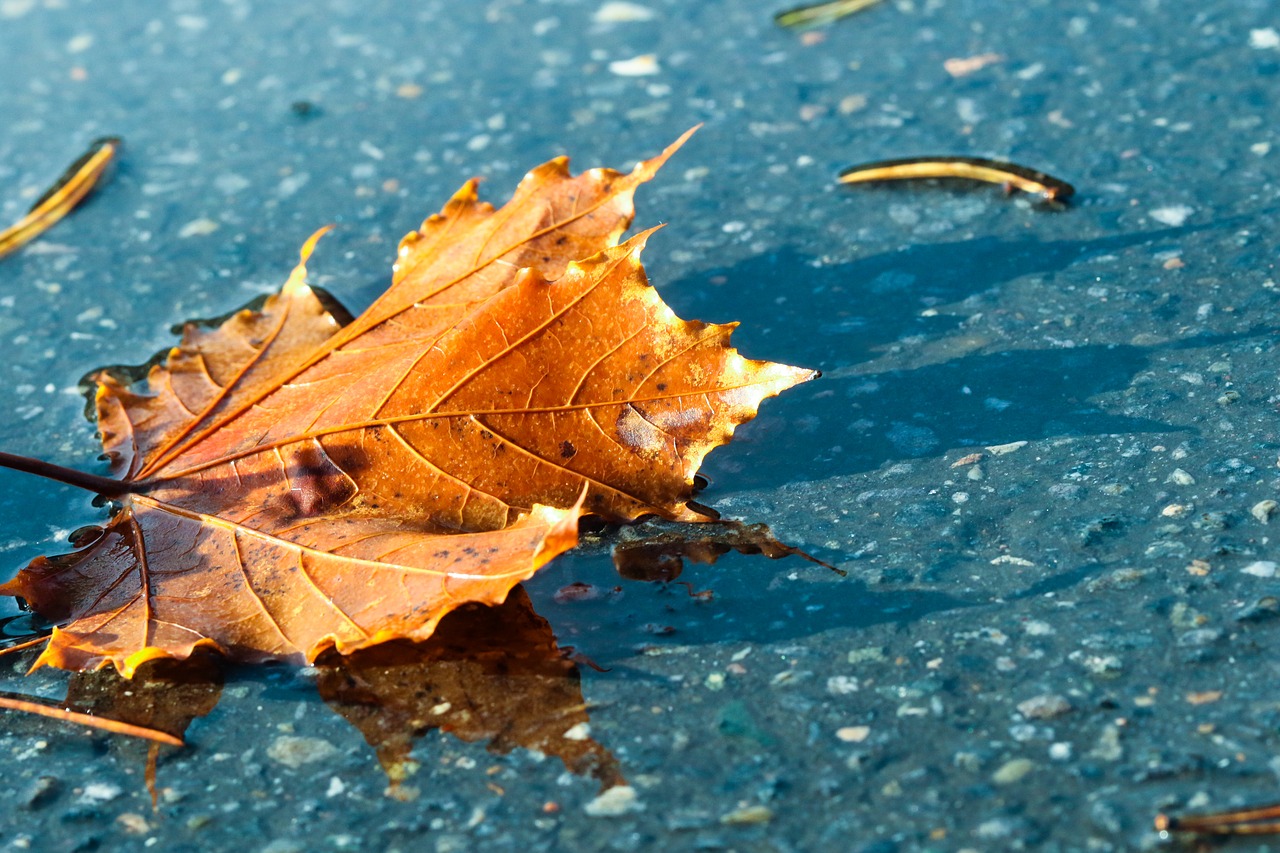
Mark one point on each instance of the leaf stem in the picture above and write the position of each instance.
(89, 482)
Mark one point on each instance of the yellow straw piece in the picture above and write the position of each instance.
(77, 182)
(1263, 820)
(1009, 175)
(114, 726)
(817, 14)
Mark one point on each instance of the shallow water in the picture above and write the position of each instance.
(1038, 648)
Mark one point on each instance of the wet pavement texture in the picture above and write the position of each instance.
(1044, 449)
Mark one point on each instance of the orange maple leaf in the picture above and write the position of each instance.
(290, 484)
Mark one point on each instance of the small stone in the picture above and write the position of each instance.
(41, 793)
(1263, 510)
(1204, 697)
(853, 734)
(869, 654)
(100, 792)
(1173, 215)
(842, 685)
(1264, 38)
(1267, 607)
(1002, 449)
(622, 13)
(579, 731)
(615, 802)
(1044, 707)
(1103, 666)
(1199, 568)
(1013, 771)
(747, 815)
(1180, 478)
(198, 228)
(1261, 569)
(996, 828)
(294, 751)
(638, 66)
(133, 823)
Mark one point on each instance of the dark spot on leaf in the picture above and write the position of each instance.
(567, 450)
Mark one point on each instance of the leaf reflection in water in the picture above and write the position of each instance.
(165, 695)
(660, 556)
(490, 674)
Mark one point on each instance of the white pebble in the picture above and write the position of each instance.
(842, 685)
(1002, 449)
(581, 731)
(100, 792)
(639, 66)
(198, 228)
(1261, 569)
(622, 13)
(615, 802)
(1265, 38)
(1173, 215)
(297, 751)
(1263, 510)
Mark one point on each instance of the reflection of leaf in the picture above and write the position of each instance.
(164, 695)
(488, 674)
(291, 485)
(661, 556)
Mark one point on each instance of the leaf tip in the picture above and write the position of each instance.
(467, 194)
(650, 167)
(309, 246)
(298, 278)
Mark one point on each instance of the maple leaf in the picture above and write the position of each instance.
(289, 484)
